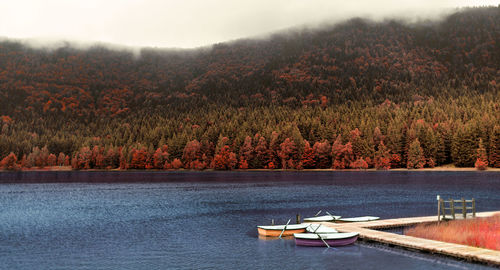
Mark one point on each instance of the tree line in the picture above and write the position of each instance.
(359, 94)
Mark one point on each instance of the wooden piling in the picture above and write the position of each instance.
(464, 208)
(439, 209)
(452, 206)
(473, 208)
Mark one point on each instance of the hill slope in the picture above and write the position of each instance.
(360, 93)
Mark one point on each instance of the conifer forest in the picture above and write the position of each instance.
(356, 95)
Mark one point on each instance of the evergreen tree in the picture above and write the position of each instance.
(416, 159)
(464, 147)
(495, 147)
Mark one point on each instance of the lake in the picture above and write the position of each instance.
(207, 220)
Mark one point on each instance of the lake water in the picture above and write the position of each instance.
(207, 220)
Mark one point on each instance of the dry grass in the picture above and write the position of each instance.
(480, 232)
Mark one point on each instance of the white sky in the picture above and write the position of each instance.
(193, 23)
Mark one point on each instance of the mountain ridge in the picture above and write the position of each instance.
(355, 68)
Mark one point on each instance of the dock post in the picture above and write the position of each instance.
(452, 206)
(439, 208)
(298, 218)
(464, 209)
(473, 208)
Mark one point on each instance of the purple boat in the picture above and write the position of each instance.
(318, 240)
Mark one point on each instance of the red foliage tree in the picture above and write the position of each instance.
(192, 153)
(123, 158)
(61, 158)
(246, 152)
(160, 157)
(359, 164)
(9, 162)
(308, 155)
(323, 154)
(225, 159)
(51, 160)
(261, 153)
(482, 159)
(324, 102)
(274, 147)
(342, 155)
(243, 164)
(288, 154)
(382, 157)
(140, 158)
(82, 159)
(176, 164)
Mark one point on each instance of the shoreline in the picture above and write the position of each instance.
(446, 168)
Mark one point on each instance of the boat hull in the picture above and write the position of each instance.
(276, 233)
(358, 219)
(320, 243)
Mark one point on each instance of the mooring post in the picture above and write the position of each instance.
(473, 208)
(272, 221)
(443, 210)
(298, 218)
(452, 206)
(439, 207)
(464, 209)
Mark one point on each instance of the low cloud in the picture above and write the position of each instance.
(194, 23)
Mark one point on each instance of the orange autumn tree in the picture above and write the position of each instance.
(382, 157)
(288, 154)
(323, 154)
(246, 153)
(482, 160)
(160, 157)
(224, 159)
(308, 155)
(9, 162)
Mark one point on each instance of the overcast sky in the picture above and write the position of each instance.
(193, 23)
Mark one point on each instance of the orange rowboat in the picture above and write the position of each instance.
(275, 230)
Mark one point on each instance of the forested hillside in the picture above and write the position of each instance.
(359, 94)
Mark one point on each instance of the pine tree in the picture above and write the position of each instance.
(495, 147)
(416, 159)
(464, 147)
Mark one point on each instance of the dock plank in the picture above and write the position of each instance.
(367, 231)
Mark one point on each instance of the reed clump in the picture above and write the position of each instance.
(479, 232)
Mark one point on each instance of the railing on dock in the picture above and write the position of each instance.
(455, 208)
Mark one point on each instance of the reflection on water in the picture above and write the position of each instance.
(208, 220)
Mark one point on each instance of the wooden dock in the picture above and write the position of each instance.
(367, 231)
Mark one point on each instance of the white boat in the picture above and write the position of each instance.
(322, 218)
(357, 219)
(317, 228)
(321, 240)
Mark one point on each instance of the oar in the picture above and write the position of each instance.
(331, 215)
(284, 228)
(319, 225)
(318, 213)
(328, 246)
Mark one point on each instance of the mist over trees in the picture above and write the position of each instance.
(356, 95)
